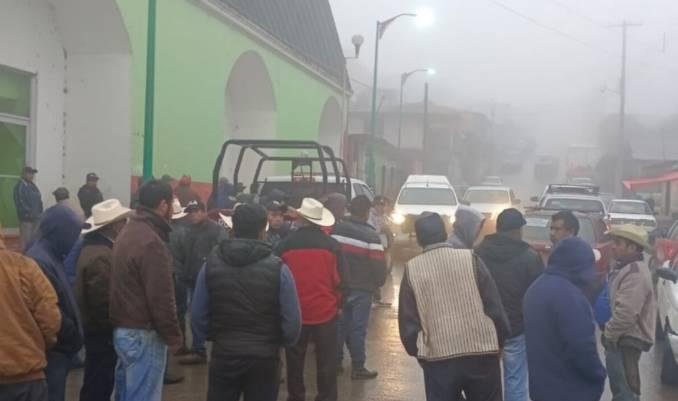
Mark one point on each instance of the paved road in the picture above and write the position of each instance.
(400, 378)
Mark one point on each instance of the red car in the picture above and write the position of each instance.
(592, 229)
(665, 248)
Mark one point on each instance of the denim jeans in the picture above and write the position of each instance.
(621, 391)
(353, 326)
(142, 356)
(515, 370)
(56, 373)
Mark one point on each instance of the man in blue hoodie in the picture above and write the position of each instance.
(559, 328)
(58, 232)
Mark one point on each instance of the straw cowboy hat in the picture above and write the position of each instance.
(177, 211)
(314, 211)
(105, 213)
(633, 233)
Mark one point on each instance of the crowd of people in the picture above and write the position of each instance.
(485, 317)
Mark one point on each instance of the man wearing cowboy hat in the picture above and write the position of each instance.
(631, 328)
(91, 292)
(316, 262)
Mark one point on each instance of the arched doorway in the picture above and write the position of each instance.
(330, 128)
(250, 110)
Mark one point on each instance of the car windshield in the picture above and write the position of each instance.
(581, 205)
(538, 229)
(630, 208)
(487, 196)
(427, 196)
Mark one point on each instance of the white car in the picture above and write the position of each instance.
(667, 306)
(490, 200)
(625, 211)
(422, 194)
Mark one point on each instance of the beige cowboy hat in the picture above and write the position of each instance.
(177, 211)
(314, 211)
(633, 233)
(105, 213)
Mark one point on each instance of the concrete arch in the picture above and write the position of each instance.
(250, 108)
(330, 129)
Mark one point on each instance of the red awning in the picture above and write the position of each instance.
(633, 183)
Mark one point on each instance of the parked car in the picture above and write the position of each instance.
(422, 194)
(667, 320)
(629, 211)
(578, 198)
(592, 229)
(665, 248)
(490, 201)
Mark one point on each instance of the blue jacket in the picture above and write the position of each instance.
(28, 201)
(560, 331)
(59, 230)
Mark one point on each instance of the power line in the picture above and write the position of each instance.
(549, 27)
(578, 14)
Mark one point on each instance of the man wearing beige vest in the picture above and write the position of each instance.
(451, 318)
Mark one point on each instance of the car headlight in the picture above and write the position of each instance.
(452, 219)
(397, 218)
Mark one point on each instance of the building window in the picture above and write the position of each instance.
(15, 118)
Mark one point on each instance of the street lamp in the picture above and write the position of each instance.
(381, 29)
(403, 79)
(357, 41)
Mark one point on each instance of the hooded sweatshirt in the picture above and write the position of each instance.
(514, 267)
(466, 227)
(59, 230)
(246, 301)
(562, 356)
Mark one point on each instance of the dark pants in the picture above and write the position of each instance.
(100, 361)
(27, 391)
(58, 365)
(325, 338)
(479, 377)
(181, 296)
(353, 326)
(254, 379)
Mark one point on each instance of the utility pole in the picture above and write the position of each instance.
(149, 108)
(424, 140)
(621, 152)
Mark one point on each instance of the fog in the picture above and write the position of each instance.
(554, 69)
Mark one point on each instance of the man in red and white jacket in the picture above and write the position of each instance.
(364, 255)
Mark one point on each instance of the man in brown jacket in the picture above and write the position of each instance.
(31, 320)
(631, 328)
(91, 291)
(142, 300)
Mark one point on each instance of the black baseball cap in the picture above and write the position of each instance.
(29, 169)
(92, 177)
(276, 206)
(194, 206)
(509, 220)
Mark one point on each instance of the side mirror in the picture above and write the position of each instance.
(534, 199)
(667, 274)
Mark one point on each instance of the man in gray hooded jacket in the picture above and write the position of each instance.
(468, 223)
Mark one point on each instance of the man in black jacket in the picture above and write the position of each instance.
(199, 238)
(514, 267)
(89, 194)
(364, 254)
(28, 204)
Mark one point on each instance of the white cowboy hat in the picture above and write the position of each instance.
(105, 213)
(228, 220)
(314, 212)
(177, 211)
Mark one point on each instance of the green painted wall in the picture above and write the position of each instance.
(196, 50)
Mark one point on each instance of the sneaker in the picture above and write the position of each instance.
(193, 359)
(363, 374)
(173, 378)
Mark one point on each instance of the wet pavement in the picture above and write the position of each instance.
(400, 378)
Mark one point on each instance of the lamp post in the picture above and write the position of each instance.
(357, 41)
(403, 79)
(370, 165)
